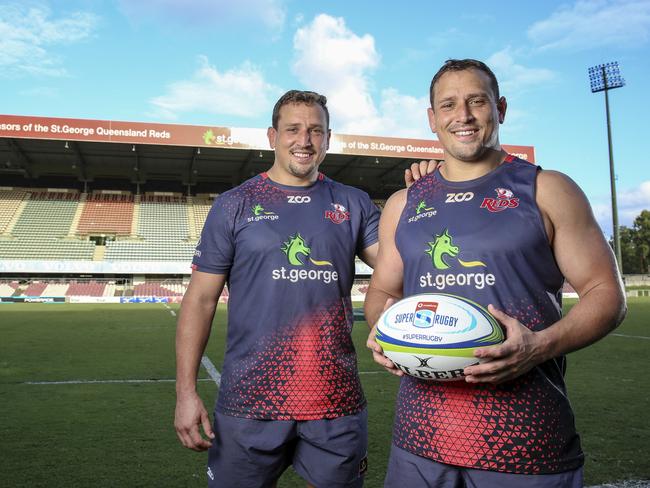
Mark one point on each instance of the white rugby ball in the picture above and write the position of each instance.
(433, 336)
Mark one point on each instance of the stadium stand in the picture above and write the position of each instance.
(360, 287)
(55, 289)
(35, 289)
(90, 289)
(381, 203)
(159, 289)
(42, 227)
(10, 202)
(110, 214)
(163, 231)
(8, 288)
(200, 207)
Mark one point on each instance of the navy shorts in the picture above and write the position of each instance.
(408, 470)
(249, 453)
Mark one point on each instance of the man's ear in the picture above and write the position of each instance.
(432, 120)
(502, 106)
(271, 133)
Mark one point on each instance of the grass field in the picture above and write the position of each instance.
(87, 398)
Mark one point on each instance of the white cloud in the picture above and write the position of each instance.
(241, 91)
(404, 115)
(630, 202)
(515, 78)
(333, 60)
(28, 34)
(590, 24)
(211, 13)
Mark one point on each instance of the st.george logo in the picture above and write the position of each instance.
(505, 199)
(422, 207)
(338, 215)
(259, 210)
(422, 211)
(443, 247)
(259, 213)
(297, 251)
(443, 252)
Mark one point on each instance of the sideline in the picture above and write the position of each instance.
(100, 382)
(629, 337)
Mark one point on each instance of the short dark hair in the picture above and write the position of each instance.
(300, 96)
(461, 65)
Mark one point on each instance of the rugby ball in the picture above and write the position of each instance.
(433, 336)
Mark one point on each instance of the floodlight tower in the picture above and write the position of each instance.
(605, 77)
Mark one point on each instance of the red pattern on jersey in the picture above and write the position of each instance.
(304, 373)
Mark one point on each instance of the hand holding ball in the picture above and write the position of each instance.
(433, 336)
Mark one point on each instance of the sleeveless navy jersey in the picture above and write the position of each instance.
(485, 240)
(289, 256)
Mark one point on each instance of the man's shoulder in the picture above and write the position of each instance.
(557, 194)
(552, 180)
(348, 189)
(241, 190)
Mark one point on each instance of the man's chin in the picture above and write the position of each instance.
(302, 172)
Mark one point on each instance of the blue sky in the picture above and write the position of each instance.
(224, 63)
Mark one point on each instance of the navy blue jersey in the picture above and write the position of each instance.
(485, 240)
(289, 256)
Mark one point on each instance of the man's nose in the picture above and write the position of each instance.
(304, 138)
(463, 113)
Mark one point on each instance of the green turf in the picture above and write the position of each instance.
(121, 434)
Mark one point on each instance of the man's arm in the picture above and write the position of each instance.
(587, 262)
(192, 332)
(388, 276)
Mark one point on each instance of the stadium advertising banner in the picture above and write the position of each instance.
(9, 266)
(99, 267)
(29, 127)
(24, 299)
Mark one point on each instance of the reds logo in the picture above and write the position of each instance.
(505, 199)
(338, 215)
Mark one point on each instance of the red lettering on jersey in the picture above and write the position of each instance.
(337, 216)
(499, 204)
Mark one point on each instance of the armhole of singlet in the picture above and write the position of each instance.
(540, 217)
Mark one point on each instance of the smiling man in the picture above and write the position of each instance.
(509, 423)
(290, 391)
(285, 243)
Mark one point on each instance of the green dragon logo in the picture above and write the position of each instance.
(442, 246)
(296, 250)
(208, 137)
(259, 210)
(422, 207)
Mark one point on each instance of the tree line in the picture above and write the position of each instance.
(635, 245)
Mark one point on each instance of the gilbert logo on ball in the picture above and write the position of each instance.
(433, 336)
